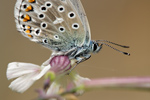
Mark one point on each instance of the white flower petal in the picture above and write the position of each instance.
(22, 83)
(17, 69)
(26, 74)
(78, 80)
(54, 89)
(44, 70)
(46, 62)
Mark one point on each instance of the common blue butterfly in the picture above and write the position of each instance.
(60, 25)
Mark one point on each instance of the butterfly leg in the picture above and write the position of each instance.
(72, 52)
(79, 60)
(86, 57)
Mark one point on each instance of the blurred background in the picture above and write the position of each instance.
(125, 22)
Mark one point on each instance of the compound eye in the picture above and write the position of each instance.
(95, 46)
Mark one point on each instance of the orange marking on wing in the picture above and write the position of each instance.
(30, 36)
(29, 8)
(26, 18)
(31, 1)
(28, 31)
(28, 27)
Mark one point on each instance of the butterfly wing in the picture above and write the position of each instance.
(56, 24)
(81, 12)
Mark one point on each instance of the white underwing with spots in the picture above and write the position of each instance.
(45, 19)
(60, 25)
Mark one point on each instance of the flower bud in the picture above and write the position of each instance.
(60, 64)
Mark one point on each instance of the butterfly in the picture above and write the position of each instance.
(60, 25)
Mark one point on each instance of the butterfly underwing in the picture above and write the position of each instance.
(60, 25)
(57, 24)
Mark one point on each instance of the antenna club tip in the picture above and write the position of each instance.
(126, 46)
(126, 53)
